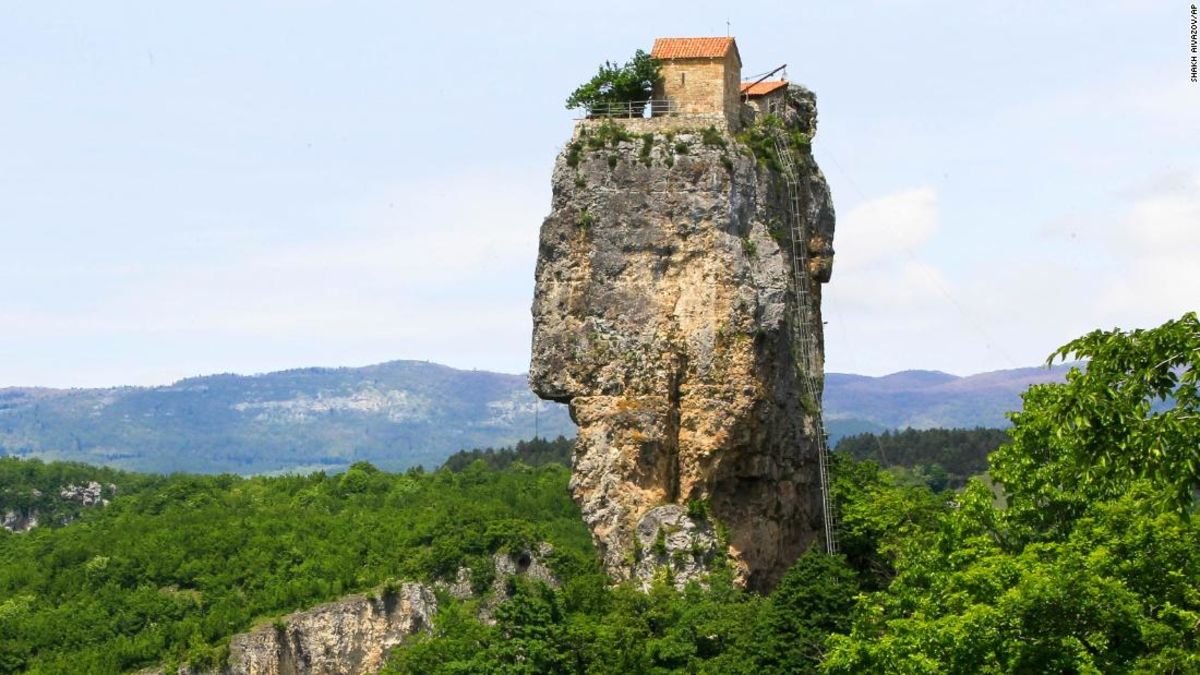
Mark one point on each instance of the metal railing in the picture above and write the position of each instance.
(631, 109)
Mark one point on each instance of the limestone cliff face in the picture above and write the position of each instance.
(352, 635)
(664, 314)
(355, 635)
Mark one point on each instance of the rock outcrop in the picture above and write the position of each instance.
(665, 315)
(354, 635)
(91, 494)
(19, 521)
(27, 508)
(350, 636)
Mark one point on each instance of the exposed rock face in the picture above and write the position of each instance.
(15, 521)
(354, 635)
(667, 538)
(350, 636)
(529, 564)
(87, 495)
(25, 510)
(664, 315)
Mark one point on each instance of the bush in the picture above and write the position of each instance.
(711, 136)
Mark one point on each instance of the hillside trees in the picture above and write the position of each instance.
(169, 573)
(943, 458)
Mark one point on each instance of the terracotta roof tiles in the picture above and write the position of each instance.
(762, 88)
(692, 48)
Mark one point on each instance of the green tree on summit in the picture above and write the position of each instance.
(617, 84)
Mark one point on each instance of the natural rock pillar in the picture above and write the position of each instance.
(664, 315)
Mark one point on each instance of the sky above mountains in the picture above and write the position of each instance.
(253, 186)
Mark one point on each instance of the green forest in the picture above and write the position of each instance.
(940, 458)
(1080, 554)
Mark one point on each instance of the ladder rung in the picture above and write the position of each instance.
(803, 339)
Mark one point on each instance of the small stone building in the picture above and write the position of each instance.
(701, 77)
(767, 97)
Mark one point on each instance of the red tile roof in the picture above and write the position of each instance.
(762, 88)
(692, 48)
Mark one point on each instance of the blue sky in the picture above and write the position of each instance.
(249, 186)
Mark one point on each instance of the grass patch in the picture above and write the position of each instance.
(712, 137)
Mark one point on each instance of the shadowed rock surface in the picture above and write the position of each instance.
(664, 316)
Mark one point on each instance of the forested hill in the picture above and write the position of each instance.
(403, 413)
(924, 399)
(395, 415)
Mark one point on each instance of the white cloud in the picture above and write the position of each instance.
(1157, 241)
(885, 297)
(880, 229)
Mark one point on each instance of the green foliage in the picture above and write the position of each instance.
(167, 573)
(660, 544)
(617, 84)
(586, 219)
(589, 627)
(1093, 566)
(574, 153)
(877, 514)
(534, 452)
(647, 146)
(940, 458)
(681, 148)
(607, 133)
(814, 599)
(759, 139)
(32, 487)
(711, 137)
(1132, 413)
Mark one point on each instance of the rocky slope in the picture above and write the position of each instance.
(354, 635)
(664, 316)
(22, 508)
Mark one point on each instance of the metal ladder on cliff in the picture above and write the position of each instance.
(802, 337)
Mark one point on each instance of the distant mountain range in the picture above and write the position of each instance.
(394, 415)
(924, 399)
(401, 414)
